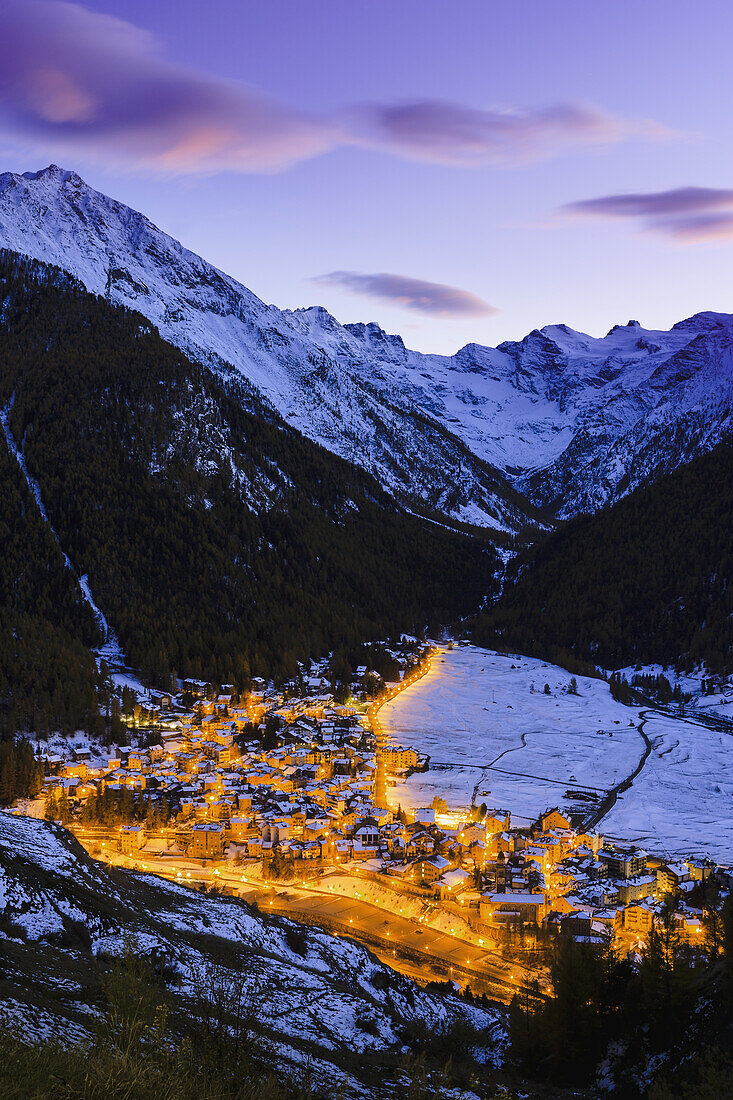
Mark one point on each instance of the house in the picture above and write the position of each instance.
(525, 908)
(552, 819)
(367, 832)
(699, 869)
(427, 871)
(452, 883)
(636, 889)
(207, 840)
(399, 759)
(197, 688)
(497, 821)
(275, 832)
(670, 876)
(635, 920)
(132, 839)
(239, 829)
(623, 862)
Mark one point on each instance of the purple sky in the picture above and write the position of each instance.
(457, 171)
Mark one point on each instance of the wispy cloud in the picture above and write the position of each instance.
(92, 83)
(687, 214)
(76, 80)
(434, 299)
(448, 133)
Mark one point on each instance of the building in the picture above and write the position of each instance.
(455, 882)
(671, 875)
(623, 862)
(504, 908)
(132, 839)
(207, 840)
(552, 819)
(399, 759)
(637, 888)
(428, 870)
(634, 920)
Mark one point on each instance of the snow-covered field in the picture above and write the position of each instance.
(487, 723)
(682, 802)
(489, 727)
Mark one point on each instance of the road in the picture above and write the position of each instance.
(596, 816)
(430, 954)
(409, 945)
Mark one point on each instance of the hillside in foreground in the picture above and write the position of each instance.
(311, 1004)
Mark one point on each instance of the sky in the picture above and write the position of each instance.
(457, 170)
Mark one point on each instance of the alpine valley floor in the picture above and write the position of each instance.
(494, 735)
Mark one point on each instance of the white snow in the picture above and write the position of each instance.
(603, 413)
(460, 714)
(488, 726)
(681, 802)
(324, 996)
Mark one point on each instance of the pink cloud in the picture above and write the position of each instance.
(77, 81)
(449, 133)
(93, 83)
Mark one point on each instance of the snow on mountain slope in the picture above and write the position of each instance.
(326, 381)
(571, 420)
(313, 996)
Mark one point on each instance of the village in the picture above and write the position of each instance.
(289, 787)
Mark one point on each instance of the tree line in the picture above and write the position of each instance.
(646, 580)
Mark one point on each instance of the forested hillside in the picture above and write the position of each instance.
(647, 580)
(47, 673)
(217, 540)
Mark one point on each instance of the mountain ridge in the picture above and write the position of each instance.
(559, 421)
(54, 217)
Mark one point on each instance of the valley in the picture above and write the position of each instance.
(428, 818)
(366, 551)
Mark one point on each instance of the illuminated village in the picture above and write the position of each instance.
(278, 796)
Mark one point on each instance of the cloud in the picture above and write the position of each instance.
(78, 81)
(435, 299)
(92, 83)
(687, 214)
(448, 133)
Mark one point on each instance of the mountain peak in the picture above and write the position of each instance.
(52, 171)
(373, 333)
(622, 328)
(55, 173)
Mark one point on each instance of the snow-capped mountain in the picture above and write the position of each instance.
(336, 386)
(570, 420)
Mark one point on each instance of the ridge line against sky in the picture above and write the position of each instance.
(145, 96)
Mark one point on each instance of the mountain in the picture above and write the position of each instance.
(569, 420)
(333, 384)
(154, 505)
(647, 580)
(305, 999)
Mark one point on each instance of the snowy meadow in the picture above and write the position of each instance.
(508, 731)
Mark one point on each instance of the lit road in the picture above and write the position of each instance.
(430, 955)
